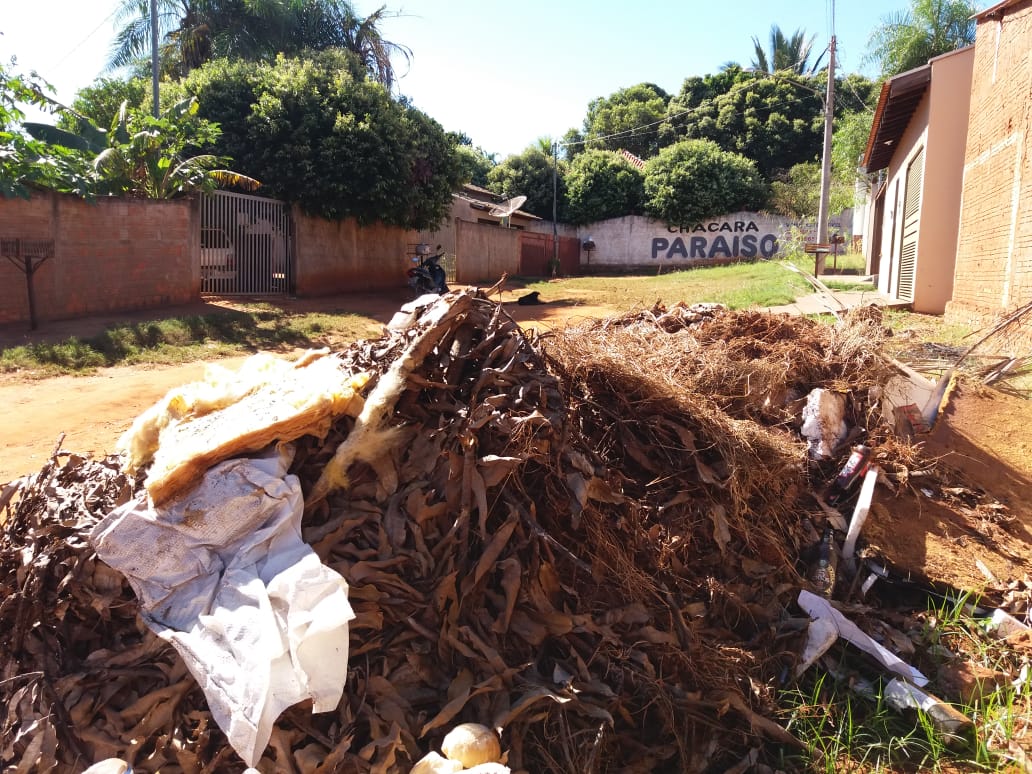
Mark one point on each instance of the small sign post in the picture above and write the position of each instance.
(28, 255)
(819, 251)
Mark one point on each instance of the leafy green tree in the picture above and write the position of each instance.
(530, 174)
(25, 162)
(193, 32)
(475, 164)
(101, 102)
(910, 37)
(797, 193)
(318, 133)
(789, 54)
(849, 141)
(602, 184)
(615, 122)
(571, 145)
(696, 179)
(145, 156)
(773, 121)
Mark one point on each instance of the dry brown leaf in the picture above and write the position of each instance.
(721, 532)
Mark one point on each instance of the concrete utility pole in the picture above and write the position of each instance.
(555, 203)
(154, 53)
(829, 111)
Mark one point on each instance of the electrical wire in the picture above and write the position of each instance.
(701, 109)
(79, 45)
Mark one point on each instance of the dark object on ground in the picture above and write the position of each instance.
(530, 299)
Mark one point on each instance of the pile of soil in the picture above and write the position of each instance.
(589, 540)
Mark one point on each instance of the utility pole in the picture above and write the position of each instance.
(555, 206)
(154, 53)
(829, 111)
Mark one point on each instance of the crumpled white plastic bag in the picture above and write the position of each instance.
(824, 424)
(224, 575)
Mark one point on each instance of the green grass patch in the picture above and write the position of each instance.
(839, 712)
(739, 286)
(850, 285)
(853, 263)
(184, 339)
(910, 326)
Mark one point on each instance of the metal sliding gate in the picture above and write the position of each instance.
(245, 245)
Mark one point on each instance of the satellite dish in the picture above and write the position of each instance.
(507, 207)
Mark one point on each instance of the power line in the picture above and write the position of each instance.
(701, 109)
(93, 32)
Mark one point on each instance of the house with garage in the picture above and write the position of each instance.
(993, 272)
(915, 153)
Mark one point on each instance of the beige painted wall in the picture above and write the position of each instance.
(939, 126)
(944, 180)
(639, 241)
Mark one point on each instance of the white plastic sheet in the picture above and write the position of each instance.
(819, 608)
(223, 574)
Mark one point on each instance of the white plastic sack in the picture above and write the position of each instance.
(223, 574)
(824, 424)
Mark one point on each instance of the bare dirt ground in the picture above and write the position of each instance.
(93, 411)
(974, 507)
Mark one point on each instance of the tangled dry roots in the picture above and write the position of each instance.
(583, 540)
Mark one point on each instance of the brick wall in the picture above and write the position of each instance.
(343, 257)
(994, 250)
(110, 255)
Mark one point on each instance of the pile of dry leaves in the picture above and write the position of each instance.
(584, 540)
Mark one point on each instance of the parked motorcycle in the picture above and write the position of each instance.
(427, 276)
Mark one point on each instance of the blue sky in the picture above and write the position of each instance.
(503, 73)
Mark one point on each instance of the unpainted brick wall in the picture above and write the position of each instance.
(994, 250)
(110, 255)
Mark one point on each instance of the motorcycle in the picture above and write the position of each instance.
(427, 276)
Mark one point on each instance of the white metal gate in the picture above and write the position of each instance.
(245, 245)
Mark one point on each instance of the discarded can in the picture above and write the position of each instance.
(823, 571)
(854, 470)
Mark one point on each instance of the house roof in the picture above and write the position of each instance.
(995, 10)
(632, 158)
(897, 102)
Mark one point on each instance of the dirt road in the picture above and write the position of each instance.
(93, 411)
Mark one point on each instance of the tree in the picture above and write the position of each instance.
(615, 122)
(474, 163)
(695, 179)
(145, 156)
(909, 38)
(791, 54)
(101, 102)
(602, 184)
(320, 134)
(26, 162)
(773, 121)
(193, 32)
(797, 193)
(530, 174)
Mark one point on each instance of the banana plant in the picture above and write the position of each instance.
(143, 156)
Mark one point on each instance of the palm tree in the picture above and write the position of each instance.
(909, 38)
(786, 53)
(194, 31)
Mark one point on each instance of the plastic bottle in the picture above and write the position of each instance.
(854, 469)
(823, 571)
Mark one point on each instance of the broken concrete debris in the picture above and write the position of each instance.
(580, 541)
